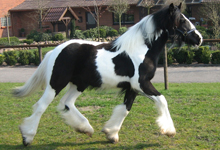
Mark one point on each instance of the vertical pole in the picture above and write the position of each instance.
(40, 53)
(165, 69)
(8, 29)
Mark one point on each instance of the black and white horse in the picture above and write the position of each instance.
(128, 63)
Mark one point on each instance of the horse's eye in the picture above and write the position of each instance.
(183, 20)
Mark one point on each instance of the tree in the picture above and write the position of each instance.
(41, 9)
(73, 28)
(118, 7)
(148, 4)
(211, 11)
(98, 9)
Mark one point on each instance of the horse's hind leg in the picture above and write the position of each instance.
(71, 114)
(113, 125)
(29, 127)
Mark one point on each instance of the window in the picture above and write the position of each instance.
(80, 19)
(125, 19)
(4, 22)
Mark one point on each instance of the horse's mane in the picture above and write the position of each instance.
(146, 30)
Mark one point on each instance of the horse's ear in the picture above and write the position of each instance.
(180, 5)
(171, 8)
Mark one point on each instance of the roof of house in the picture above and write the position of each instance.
(57, 14)
(36, 4)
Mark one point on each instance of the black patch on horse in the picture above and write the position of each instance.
(76, 64)
(123, 65)
(148, 67)
(107, 46)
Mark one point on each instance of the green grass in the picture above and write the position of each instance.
(194, 107)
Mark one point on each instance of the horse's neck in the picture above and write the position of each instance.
(158, 45)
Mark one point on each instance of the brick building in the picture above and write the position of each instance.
(24, 14)
(4, 16)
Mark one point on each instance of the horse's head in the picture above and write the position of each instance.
(181, 28)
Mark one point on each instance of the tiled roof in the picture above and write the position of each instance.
(34, 4)
(56, 14)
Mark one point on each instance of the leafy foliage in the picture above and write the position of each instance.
(183, 55)
(58, 37)
(215, 57)
(24, 57)
(202, 55)
(122, 30)
(2, 59)
(13, 41)
(10, 57)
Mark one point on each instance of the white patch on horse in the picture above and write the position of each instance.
(105, 67)
(136, 35)
(164, 120)
(113, 125)
(193, 27)
(72, 116)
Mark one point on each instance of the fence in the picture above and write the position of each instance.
(39, 46)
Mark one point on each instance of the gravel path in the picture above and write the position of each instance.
(175, 74)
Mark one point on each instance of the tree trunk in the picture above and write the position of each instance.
(8, 31)
(119, 17)
(98, 28)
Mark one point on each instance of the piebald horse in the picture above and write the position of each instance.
(128, 63)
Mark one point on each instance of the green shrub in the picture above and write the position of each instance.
(170, 58)
(10, 57)
(13, 41)
(39, 36)
(215, 57)
(34, 58)
(24, 57)
(58, 37)
(102, 33)
(79, 34)
(86, 34)
(2, 59)
(28, 41)
(32, 34)
(107, 29)
(31, 57)
(203, 31)
(113, 33)
(183, 55)
(202, 55)
(93, 33)
(122, 30)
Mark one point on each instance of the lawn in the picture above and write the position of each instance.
(194, 107)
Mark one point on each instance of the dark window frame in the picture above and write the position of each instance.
(124, 19)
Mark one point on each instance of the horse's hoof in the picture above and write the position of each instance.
(170, 134)
(113, 138)
(24, 141)
(85, 132)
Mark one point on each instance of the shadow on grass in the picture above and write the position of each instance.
(68, 145)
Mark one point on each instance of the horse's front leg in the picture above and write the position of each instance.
(164, 120)
(113, 125)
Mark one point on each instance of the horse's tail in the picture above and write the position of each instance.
(36, 81)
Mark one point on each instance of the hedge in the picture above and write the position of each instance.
(13, 41)
(202, 55)
(181, 55)
(2, 59)
(216, 57)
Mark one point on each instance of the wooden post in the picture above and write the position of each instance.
(40, 53)
(165, 69)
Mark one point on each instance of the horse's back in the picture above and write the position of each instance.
(74, 62)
